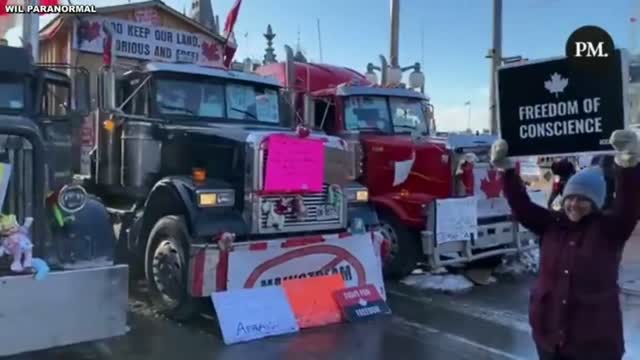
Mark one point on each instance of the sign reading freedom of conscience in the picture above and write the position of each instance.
(552, 107)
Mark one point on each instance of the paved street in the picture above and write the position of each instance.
(490, 322)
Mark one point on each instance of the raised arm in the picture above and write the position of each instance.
(530, 215)
(622, 219)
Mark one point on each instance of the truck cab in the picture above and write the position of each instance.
(408, 168)
(73, 240)
(182, 159)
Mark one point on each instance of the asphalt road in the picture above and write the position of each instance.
(489, 322)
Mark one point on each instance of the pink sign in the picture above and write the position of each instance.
(294, 164)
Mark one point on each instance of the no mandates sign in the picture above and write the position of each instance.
(554, 107)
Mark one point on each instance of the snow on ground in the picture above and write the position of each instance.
(524, 263)
(449, 283)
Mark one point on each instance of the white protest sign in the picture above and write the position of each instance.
(353, 257)
(250, 314)
(456, 219)
(147, 42)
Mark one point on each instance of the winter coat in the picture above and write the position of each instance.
(574, 304)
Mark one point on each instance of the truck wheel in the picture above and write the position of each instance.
(404, 251)
(167, 269)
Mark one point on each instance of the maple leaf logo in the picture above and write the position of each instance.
(491, 185)
(557, 84)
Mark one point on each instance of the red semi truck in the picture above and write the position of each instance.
(406, 165)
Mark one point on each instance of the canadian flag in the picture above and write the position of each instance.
(4, 3)
(230, 46)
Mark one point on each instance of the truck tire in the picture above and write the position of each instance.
(404, 252)
(167, 269)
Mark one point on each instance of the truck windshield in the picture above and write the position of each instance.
(384, 114)
(11, 95)
(204, 100)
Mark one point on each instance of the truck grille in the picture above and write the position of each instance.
(315, 204)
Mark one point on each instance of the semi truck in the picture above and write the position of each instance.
(409, 169)
(186, 161)
(71, 291)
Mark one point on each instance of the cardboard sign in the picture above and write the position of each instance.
(554, 107)
(147, 42)
(250, 314)
(312, 300)
(362, 302)
(456, 219)
(352, 257)
(294, 164)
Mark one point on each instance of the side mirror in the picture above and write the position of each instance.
(81, 93)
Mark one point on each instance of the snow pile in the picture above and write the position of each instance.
(526, 262)
(448, 283)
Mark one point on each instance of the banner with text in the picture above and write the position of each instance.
(553, 107)
(147, 42)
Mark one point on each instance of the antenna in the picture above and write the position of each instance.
(422, 45)
(633, 27)
(319, 38)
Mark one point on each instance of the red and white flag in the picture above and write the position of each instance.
(232, 17)
(229, 24)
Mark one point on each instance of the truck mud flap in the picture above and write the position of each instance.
(67, 307)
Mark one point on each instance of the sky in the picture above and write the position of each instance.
(449, 37)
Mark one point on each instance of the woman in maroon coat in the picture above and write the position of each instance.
(574, 307)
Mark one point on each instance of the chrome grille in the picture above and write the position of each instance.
(311, 221)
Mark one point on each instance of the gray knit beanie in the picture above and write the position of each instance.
(588, 183)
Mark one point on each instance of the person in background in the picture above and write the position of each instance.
(574, 308)
(562, 170)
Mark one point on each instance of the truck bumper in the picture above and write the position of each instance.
(503, 238)
(210, 266)
(67, 307)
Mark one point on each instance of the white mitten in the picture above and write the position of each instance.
(467, 158)
(625, 142)
(499, 159)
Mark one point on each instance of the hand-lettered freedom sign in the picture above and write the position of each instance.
(141, 40)
(553, 107)
(294, 164)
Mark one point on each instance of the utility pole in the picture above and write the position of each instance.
(496, 61)
(394, 62)
(31, 31)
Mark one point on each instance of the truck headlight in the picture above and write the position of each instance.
(356, 194)
(213, 198)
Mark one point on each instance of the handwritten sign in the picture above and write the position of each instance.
(456, 219)
(250, 314)
(140, 40)
(294, 164)
(361, 302)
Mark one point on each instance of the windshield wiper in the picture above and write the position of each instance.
(251, 115)
(177, 108)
